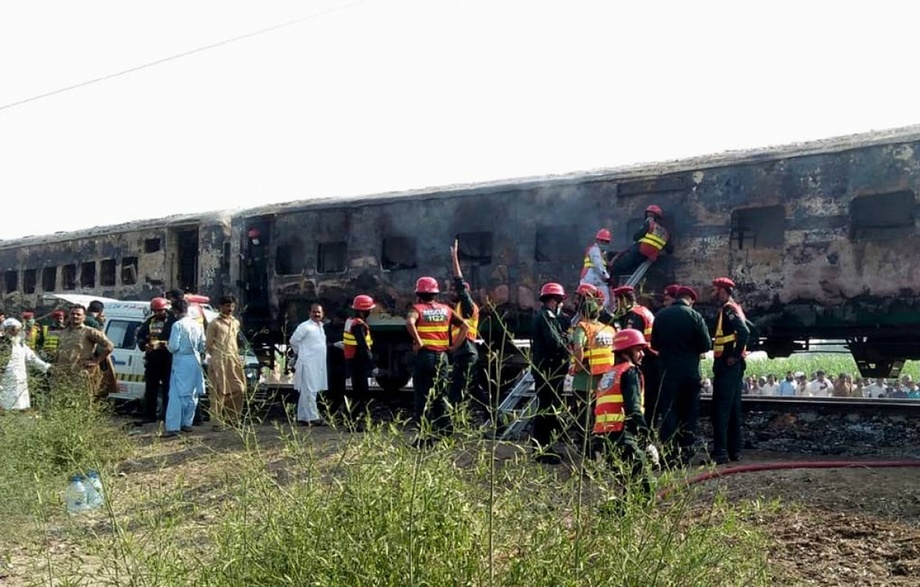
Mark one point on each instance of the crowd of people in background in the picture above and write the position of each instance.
(820, 384)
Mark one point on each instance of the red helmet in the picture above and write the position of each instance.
(551, 289)
(623, 290)
(363, 303)
(26, 314)
(58, 314)
(254, 233)
(724, 282)
(627, 339)
(656, 210)
(159, 304)
(602, 235)
(586, 289)
(427, 285)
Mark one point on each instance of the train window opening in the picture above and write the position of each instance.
(11, 280)
(129, 270)
(88, 274)
(107, 273)
(882, 216)
(558, 244)
(475, 247)
(28, 281)
(331, 257)
(399, 252)
(762, 227)
(69, 277)
(152, 245)
(49, 278)
(289, 258)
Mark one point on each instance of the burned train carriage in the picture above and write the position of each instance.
(821, 239)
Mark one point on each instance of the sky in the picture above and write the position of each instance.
(119, 110)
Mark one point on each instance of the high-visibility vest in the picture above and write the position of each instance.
(30, 335)
(348, 337)
(472, 324)
(647, 317)
(433, 325)
(587, 264)
(721, 340)
(51, 339)
(598, 354)
(655, 239)
(609, 413)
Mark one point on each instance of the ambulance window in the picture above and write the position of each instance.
(398, 253)
(88, 274)
(331, 257)
(108, 272)
(129, 270)
(69, 277)
(49, 278)
(122, 333)
(12, 281)
(28, 281)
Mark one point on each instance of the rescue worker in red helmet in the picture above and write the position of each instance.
(50, 335)
(636, 316)
(463, 372)
(679, 337)
(594, 269)
(729, 348)
(620, 433)
(30, 329)
(592, 356)
(549, 353)
(152, 336)
(649, 242)
(429, 324)
(358, 345)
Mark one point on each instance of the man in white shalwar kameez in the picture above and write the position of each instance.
(309, 343)
(14, 381)
(186, 379)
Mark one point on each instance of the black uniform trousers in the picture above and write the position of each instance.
(549, 382)
(679, 408)
(431, 390)
(157, 367)
(651, 389)
(726, 409)
(359, 371)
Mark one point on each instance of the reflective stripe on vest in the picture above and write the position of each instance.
(598, 353)
(433, 325)
(609, 415)
(348, 338)
(655, 239)
(647, 317)
(52, 337)
(587, 264)
(472, 324)
(721, 340)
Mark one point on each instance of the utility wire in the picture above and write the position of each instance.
(180, 55)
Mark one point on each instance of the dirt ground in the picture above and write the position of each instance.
(829, 527)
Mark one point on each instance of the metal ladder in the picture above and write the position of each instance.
(516, 410)
(638, 274)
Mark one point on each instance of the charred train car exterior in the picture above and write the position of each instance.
(821, 239)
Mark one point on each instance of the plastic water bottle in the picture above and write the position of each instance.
(75, 496)
(94, 496)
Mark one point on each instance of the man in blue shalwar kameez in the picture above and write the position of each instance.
(186, 379)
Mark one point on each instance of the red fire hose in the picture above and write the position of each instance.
(753, 468)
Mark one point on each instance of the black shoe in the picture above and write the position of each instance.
(317, 423)
(734, 458)
(721, 460)
(186, 429)
(302, 423)
(169, 434)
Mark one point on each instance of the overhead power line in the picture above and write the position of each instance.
(179, 55)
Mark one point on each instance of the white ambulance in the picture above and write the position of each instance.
(122, 319)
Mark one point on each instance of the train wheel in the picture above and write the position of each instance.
(392, 383)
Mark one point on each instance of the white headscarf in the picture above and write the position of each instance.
(10, 323)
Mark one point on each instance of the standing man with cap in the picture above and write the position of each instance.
(50, 335)
(550, 355)
(594, 269)
(359, 357)
(30, 329)
(429, 324)
(152, 337)
(680, 336)
(638, 317)
(669, 295)
(15, 356)
(729, 349)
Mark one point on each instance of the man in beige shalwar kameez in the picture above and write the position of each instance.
(225, 366)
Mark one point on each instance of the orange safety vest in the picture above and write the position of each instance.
(433, 325)
(647, 317)
(720, 340)
(655, 239)
(472, 324)
(598, 356)
(349, 340)
(609, 415)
